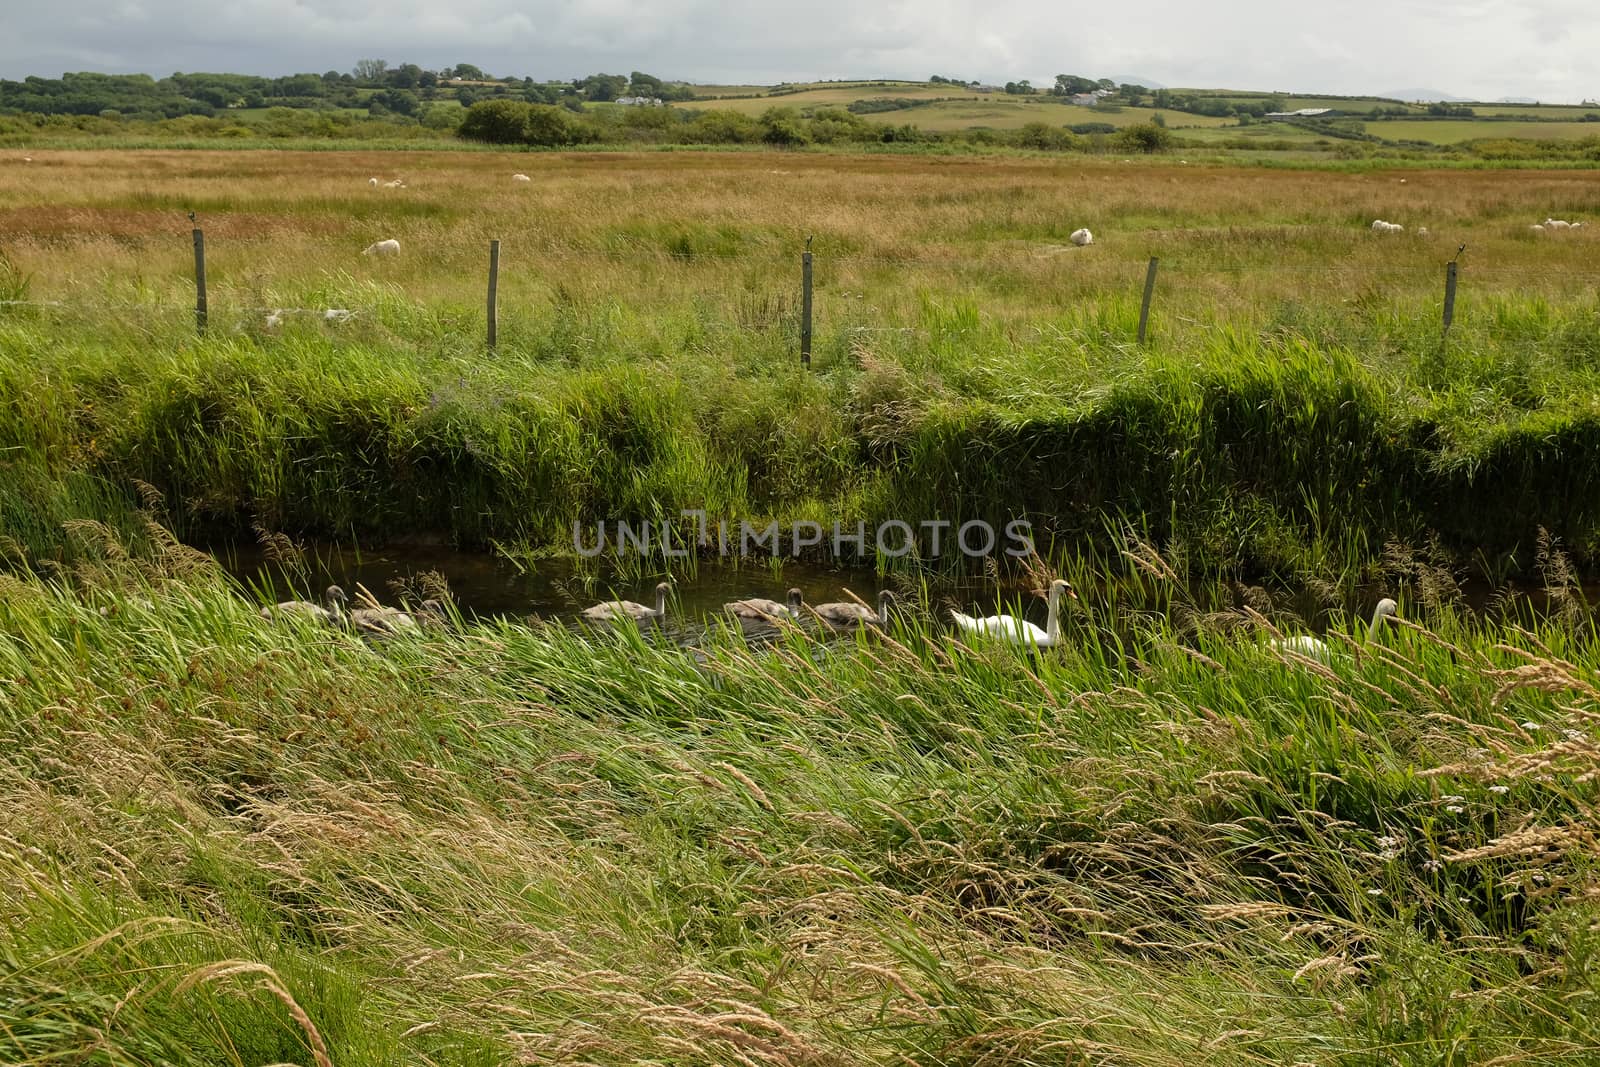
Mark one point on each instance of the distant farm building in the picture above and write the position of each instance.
(1085, 99)
(639, 101)
(1303, 113)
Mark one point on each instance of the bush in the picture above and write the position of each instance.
(1047, 138)
(1146, 137)
(721, 127)
(496, 122)
(780, 126)
(443, 117)
(548, 127)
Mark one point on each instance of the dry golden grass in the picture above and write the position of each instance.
(660, 231)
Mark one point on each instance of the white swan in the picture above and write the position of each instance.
(1316, 648)
(613, 610)
(761, 610)
(1019, 631)
(844, 615)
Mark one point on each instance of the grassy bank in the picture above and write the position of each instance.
(1283, 455)
(1294, 410)
(223, 840)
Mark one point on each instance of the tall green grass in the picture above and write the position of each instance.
(224, 840)
(1298, 444)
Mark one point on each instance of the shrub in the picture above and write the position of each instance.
(548, 126)
(1146, 137)
(496, 122)
(1043, 136)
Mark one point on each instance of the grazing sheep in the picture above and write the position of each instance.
(337, 315)
(1557, 224)
(521, 178)
(372, 182)
(1422, 231)
(1380, 226)
(1536, 228)
(1081, 237)
(396, 184)
(391, 247)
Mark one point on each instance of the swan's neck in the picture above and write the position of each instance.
(1052, 623)
(883, 611)
(661, 602)
(1377, 621)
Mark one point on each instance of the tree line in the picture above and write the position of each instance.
(514, 122)
(404, 90)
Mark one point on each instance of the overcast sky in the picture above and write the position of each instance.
(1485, 49)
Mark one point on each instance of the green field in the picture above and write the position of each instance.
(1455, 131)
(956, 110)
(1293, 101)
(1256, 131)
(1544, 111)
(1163, 840)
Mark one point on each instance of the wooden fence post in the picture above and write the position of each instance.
(200, 313)
(1149, 291)
(805, 305)
(1449, 295)
(494, 286)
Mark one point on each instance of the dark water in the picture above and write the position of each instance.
(557, 589)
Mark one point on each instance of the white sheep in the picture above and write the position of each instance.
(1422, 231)
(389, 247)
(1536, 228)
(396, 184)
(337, 315)
(372, 182)
(1557, 224)
(521, 178)
(1081, 237)
(1380, 226)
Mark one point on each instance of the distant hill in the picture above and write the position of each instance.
(1428, 95)
(1516, 100)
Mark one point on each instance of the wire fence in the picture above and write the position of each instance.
(1159, 285)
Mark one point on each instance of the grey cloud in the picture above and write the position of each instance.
(1542, 48)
